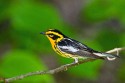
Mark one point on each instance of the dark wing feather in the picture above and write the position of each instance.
(74, 47)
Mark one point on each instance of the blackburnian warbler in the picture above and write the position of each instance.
(71, 48)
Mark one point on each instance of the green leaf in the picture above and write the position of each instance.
(34, 16)
(19, 62)
(108, 39)
(4, 5)
(99, 10)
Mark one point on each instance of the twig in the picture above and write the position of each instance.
(56, 70)
(115, 50)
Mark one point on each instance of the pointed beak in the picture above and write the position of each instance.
(43, 33)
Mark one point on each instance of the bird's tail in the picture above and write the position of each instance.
(107, 55)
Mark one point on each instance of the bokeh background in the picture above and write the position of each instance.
(98, 23)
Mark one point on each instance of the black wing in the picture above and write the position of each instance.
(74, 47)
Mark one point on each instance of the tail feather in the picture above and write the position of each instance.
(107, 55)
(111, 56)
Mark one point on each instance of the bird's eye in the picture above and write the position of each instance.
(51, 35)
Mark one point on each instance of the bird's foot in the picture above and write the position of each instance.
(117, 52)
(76, 61)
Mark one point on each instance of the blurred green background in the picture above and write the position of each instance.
(98, 23)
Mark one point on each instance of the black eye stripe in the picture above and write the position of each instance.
(50, 34)
(53, 36)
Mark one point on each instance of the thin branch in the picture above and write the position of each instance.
(115, 50)
(56, 70)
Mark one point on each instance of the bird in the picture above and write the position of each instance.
(71, 48)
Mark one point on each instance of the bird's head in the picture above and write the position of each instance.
(53, 35)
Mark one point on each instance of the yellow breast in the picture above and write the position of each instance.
(58, 51)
